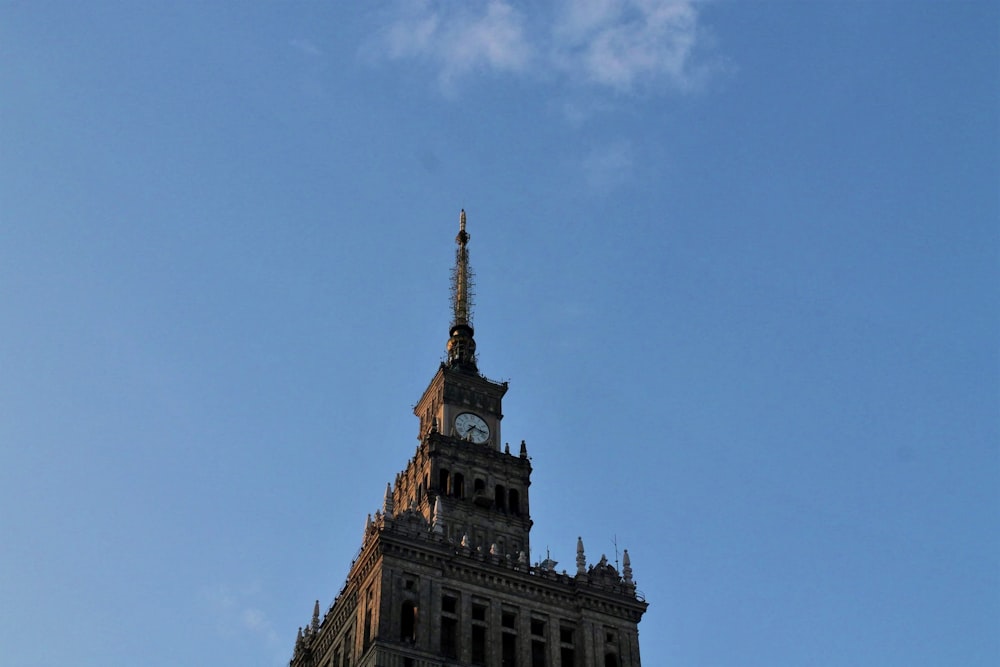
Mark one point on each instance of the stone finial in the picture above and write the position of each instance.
(581, 559)
(315, 621)
(506, 448)
(465, 541)
(524, 450)
(522, 559)
(627, 567)
(368, 525)
(437, 525)
(494, 551)
(387, 505)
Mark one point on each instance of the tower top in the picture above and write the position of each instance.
(461, 344)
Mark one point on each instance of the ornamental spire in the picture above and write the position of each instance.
(461, 344)
(461, 289)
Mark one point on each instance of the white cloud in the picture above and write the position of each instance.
(615, 44)
(459, 38)
(620, 44)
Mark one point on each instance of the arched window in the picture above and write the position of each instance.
(500, 498)
(444, 481)
(610, 660)
(479, 486)
(514, 502)
(458, 485)
(408, 622)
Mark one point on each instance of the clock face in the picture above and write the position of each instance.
(472, 427)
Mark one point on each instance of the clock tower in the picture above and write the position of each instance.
(443, 576)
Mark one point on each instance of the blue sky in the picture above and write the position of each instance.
(739, 262)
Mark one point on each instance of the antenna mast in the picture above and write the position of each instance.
(462, 279)
(461, 344)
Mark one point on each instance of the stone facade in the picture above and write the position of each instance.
(443, 578)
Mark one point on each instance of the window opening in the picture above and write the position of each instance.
(449, 626)
(408, 622)
(537, 653)
(508, 650)
(449, 637)
(514, 502)
(479, 645)
(500, 498)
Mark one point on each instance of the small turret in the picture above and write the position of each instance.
(387, 504)
(437, 525)
(581, 559)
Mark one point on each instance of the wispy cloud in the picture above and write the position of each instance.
(235, 615)
(621, 45)
(459, 37)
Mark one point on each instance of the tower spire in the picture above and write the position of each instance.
(461, 344)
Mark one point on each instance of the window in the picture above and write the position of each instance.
(508, 650)
(444, 481)
(514, 502)
(480, 608)
(538, 653)
(539, 650)
(449, 625)
(348, 648)
(508, 638)
(449, 637)
(458, 485)
(408, 622)
(610, 660)
(567, 648)
(500, 498)
(478, 645)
